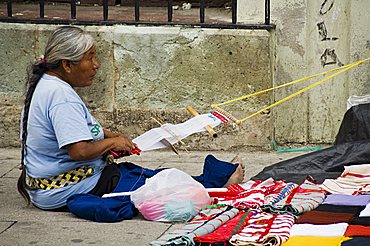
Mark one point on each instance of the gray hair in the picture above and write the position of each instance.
(69, 43)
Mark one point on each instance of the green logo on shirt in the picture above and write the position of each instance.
(95, 129)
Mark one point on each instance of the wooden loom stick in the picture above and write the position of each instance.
(210, 130)
(165, 141)
(227, 114)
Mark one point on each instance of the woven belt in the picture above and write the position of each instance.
(69, 178)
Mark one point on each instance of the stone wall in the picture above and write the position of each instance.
(154, 72)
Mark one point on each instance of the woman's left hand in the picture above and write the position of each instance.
(109, 134)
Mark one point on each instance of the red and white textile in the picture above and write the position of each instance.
(264, 229)
(297, 199)
(235, 195)
(354, 180)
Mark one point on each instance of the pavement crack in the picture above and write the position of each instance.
(165, 231)
(13, 223)
(3, 176)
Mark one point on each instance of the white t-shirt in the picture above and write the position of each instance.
(58, 117)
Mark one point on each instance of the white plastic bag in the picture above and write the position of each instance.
(170, 195)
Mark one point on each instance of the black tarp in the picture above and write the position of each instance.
(352, 146)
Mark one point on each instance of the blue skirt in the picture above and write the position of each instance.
(113, 209)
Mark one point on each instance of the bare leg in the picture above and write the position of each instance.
(238, 176)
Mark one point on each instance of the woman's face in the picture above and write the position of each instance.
(83, 73)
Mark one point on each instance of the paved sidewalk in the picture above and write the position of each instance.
(21, 225)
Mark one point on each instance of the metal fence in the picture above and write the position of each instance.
(232, 24)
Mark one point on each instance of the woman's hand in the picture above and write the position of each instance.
(109, 134)
(88, 150)
(123, 143)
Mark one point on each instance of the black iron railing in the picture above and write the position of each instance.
(267, 25)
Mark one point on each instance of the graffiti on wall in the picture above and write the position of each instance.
(323, 32)
(326, 6)
(328, 57)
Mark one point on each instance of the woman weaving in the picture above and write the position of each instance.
(63, 144)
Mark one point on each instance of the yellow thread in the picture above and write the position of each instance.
(290, 83)
(341, 70)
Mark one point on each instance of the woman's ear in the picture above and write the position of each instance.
(66, 64)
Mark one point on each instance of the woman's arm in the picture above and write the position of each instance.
(109, 134)
(88, 150)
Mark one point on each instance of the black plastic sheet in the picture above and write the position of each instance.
(352, 146)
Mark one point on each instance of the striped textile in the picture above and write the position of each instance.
(239, 197)
(206, 221)
(354, 180)
(264, 229)
(302, 199)
(225, 231)
(279, 194)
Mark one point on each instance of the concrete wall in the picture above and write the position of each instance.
(153, 71)
(312, 37)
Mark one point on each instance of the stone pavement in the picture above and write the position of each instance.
(22, 225)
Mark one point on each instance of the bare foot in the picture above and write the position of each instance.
(238, 176)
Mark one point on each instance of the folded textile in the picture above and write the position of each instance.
(302, 199)
(280, 193)
(329, 230)
(315, 240)
(354, 180)
(340, 209)
(206, 221)
(264, 228)
(321, 217)
(271, 240)
(223, 233)
(357, 231)
(365, 221)
(357, 241)
(347, 200)
(237, 196)
(337, 187)
(366, 211)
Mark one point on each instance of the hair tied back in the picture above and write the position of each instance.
(42, 60)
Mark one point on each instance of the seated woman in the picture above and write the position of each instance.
(63, 144)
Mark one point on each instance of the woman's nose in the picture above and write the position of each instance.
(96, 64)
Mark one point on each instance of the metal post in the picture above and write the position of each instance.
(170, 10)
(42, 9)
(202, 11)
(9, 8)
(73, 9)
(267, 12)
(234, 5)
(137, 10)
(105, 10)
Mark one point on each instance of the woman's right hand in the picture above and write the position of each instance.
(123, 143)
(89, 150)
